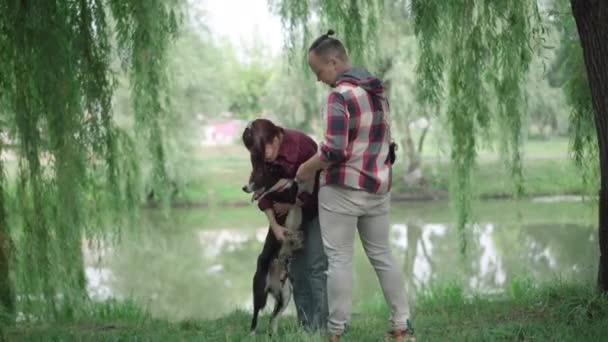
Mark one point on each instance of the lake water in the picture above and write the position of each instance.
(199, 263)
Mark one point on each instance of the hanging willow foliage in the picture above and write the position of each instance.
(482, 49)
(355, 21)
(145, 28)
(491, 45)
(56, 86)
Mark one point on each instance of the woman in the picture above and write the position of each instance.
(271, 145)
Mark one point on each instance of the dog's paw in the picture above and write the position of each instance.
(252, 333)
(296, 245)
(296, 240)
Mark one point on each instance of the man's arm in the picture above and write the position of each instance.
(333, 149)
(306, 171)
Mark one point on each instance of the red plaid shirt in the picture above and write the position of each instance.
(356, 136)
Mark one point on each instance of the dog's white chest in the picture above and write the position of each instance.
(294, 218)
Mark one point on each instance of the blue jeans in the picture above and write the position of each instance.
(307, 273)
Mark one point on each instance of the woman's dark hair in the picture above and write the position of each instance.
(256, 135)
(325, 44)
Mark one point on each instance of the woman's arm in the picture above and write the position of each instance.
(277, 229)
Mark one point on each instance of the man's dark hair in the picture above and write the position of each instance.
(325, 45)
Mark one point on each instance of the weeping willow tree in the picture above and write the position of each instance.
(56, 85)
(491, 43)
(480, 51)
(489, 48)
(473, 62)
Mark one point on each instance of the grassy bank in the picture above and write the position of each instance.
(541, 178)
(217, 174)
(552, 312)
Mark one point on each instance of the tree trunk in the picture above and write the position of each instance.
(6, 291)
(421, 140)
(592, 23)
(7, 299)
(413, 173)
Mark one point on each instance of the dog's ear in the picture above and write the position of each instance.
(257, 177)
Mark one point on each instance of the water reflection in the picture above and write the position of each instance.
(491, 270)
(186, 267)
(98, 283)
(216, 242)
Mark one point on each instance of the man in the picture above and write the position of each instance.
(355, 184)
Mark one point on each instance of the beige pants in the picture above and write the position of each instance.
(340, 211)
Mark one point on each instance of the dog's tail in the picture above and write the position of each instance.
(260, 295)
(259, 302)
(254, 321)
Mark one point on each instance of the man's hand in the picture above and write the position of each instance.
(281, 209)
(279, 232)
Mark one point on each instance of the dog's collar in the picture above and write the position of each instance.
(282, 184)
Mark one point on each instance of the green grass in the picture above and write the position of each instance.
(541, 177)
(218, 174)
(551, 312)
(215, 175)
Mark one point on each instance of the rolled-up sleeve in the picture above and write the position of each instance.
(264, 204)
(333, 149)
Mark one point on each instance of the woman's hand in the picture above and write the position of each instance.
(279, 232)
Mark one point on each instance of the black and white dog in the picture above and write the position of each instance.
(272, 271)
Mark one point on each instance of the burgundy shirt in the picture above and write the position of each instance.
(295, 149)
